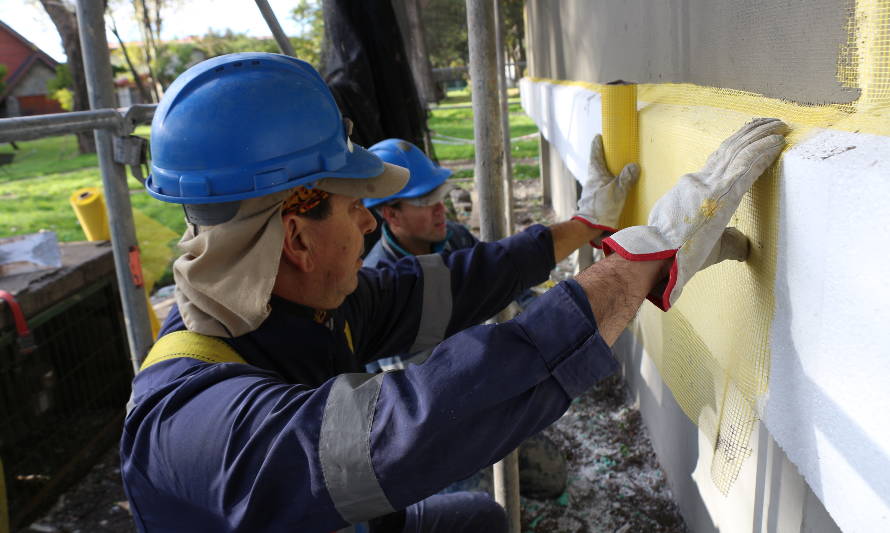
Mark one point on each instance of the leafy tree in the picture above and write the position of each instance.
(228, 42)
(307, 45)
(64, 17)
(148, 15)
(61, 87)
(445, 22)
(62, 79)
(446, 31)
(175, 58)
(514, 33)
(3, 71)
(128, 58)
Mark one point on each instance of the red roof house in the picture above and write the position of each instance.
(27, 70)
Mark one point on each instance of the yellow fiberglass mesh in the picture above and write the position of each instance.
(712, 348)
(713, 345)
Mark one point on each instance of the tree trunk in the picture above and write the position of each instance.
(411, 24)
(143, 92)
(148, 47)
(65, 20)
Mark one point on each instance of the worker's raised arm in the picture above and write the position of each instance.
(242, 449)
(417, 302)
(463, 288)
(686, 231)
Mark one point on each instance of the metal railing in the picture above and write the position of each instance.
(94, 390)
(115, 147)
(113, 128)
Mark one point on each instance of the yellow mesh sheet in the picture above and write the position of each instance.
(712, 348)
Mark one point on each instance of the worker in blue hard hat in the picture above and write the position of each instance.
(252, 411)
(414, 221)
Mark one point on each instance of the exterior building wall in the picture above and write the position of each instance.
(27, 73)
(818, 455)
(13, 52)
(29, 95)
(35, 80)
(781, 49)
(770, 494)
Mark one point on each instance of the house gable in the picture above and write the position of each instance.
(28, 69)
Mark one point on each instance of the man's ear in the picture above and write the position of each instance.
(391, 215)
(297, 244)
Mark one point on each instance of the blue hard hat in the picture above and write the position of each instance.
(425, 176)
(244, 125)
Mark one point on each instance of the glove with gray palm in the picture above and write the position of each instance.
(687, 223)
(602, 194)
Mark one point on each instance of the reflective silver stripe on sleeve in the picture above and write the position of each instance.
(344, 447)
(436, 309)
(418, 358)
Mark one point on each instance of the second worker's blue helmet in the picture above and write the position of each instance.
(425, 176)
(244, 125)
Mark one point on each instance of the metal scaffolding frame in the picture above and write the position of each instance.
(112, 128)
(490, 126)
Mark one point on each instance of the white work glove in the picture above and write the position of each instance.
(686, 223)
(602, 194)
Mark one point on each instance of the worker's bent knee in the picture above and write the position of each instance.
(459, 512)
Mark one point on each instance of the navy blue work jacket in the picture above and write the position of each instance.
(300, 439)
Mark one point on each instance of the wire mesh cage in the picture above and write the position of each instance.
(62, 404)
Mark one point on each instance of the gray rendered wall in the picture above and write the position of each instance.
(779, 48)
(677, 40)
(35, 81)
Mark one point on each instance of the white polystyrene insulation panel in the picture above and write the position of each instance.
(829, 400)
(828, 404)
(568, 117)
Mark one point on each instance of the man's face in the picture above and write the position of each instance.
(337, 243)
(425, 224)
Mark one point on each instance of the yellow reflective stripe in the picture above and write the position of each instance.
(190, 344)
(348, 333)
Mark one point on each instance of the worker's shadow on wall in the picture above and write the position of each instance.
(815, 414)
(677, 436)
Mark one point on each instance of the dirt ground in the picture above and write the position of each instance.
(615, 484)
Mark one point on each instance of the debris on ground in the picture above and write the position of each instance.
(97, 504)
(615, 482)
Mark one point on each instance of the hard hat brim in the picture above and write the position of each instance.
(431, 198)
(417, 190)
(389, 182)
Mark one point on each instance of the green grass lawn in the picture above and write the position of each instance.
(35, 188)
(44, 156)
(459, 123)
(464, 96)
(28, 205)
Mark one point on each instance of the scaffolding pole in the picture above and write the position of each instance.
(283, 42)
(505, 115)
(489, 171)
(119, 121)
(486, 120)
(127, 265)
